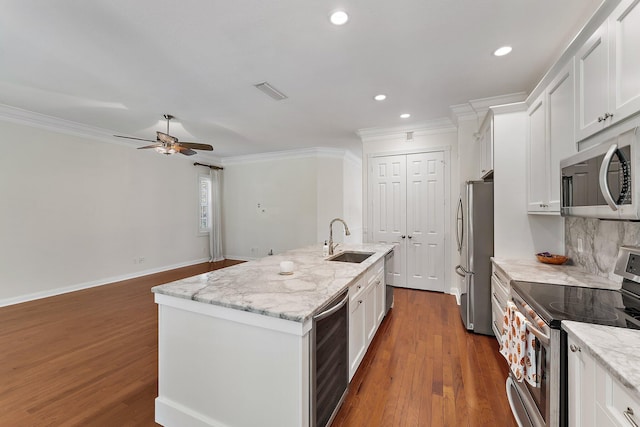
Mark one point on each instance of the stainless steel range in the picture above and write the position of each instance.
(545, 306)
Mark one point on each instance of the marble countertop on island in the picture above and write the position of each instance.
(258, 287)
(530, 270)
(614, 348)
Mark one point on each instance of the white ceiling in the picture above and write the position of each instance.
(120, 64)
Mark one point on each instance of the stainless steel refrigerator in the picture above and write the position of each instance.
(474, 236)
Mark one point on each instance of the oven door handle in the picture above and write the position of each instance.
(545, 339)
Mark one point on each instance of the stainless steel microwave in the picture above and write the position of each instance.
(602, 181)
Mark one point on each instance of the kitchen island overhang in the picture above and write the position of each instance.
(230, 354)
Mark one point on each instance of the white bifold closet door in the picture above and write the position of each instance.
(408, 206)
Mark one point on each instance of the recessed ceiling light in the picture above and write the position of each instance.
(339, 17)
(405, 115)
(502, 51)
(380, 97)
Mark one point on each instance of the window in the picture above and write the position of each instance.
(204, 212)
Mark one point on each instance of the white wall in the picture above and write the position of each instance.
(299, 193)
(76, 212)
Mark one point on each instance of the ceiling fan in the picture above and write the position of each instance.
(167, 144)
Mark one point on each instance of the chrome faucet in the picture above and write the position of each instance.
(346, 232)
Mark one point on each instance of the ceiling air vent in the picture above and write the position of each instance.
(271, 91)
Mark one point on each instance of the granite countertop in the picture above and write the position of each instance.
(530, 270)
(258, 287)
(614, 348)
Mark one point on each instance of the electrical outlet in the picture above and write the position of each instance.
(142, 260)
(580, 246)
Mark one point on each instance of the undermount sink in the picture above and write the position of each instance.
(351, 256)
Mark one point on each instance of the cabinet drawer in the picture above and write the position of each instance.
(356, 289)
(497, 317)
(499, 292)
(619, 405)
(375, 270)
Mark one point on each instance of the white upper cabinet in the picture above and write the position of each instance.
(537, 154)
(607, 70)
(550, 139)
(624, 30)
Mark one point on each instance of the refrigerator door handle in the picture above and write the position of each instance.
(459, 225)
(461, 271)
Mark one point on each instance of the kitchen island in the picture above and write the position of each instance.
(234, 344)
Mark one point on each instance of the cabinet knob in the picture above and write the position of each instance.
(607, 116)
(403, 236)
(601, 119)
(574, 348)
(410, 236)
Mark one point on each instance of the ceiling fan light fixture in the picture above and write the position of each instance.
(274, 93)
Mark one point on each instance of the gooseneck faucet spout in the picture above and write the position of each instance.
(346, 232)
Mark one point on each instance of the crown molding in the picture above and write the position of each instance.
(476, 109)
(324, 152)
(55, 124)
(432, 127)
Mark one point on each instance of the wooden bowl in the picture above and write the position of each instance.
(552, 259)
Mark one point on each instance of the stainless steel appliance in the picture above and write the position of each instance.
(474, 236)
(329, 360)
(602, 181)
(546, 405)
(388, 268)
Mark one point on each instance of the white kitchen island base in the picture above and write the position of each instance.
(224, 367)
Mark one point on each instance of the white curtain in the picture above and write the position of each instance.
(215, 235)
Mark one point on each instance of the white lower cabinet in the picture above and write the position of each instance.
(367, 305)
(357, 333)
(595, 397)
(499, 297)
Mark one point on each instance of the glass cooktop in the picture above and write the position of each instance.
(555, 303)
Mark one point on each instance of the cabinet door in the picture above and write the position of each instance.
(592, 88)
(357, 336)
(370, 317)
(537, 193)
(560, 125)
(581, 386)
(380, 292)
(624, 32)
(389, 201)
(425, 221)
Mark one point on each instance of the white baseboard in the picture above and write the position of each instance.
(105, 281)
(456, 292)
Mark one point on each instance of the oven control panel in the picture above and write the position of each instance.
(628, 263)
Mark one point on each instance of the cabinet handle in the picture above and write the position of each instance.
(628, 414)
(574, 348)
(608, 116)
(601, 119)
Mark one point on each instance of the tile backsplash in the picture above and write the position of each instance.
(600, 242)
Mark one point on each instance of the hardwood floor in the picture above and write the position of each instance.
(89, 358)
(424, 369)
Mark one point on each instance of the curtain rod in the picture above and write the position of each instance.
(208, 166)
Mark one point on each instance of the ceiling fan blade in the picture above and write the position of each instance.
(159, 144)
(196, 146)
(132, 137)
(166, 138)
(183, 150)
